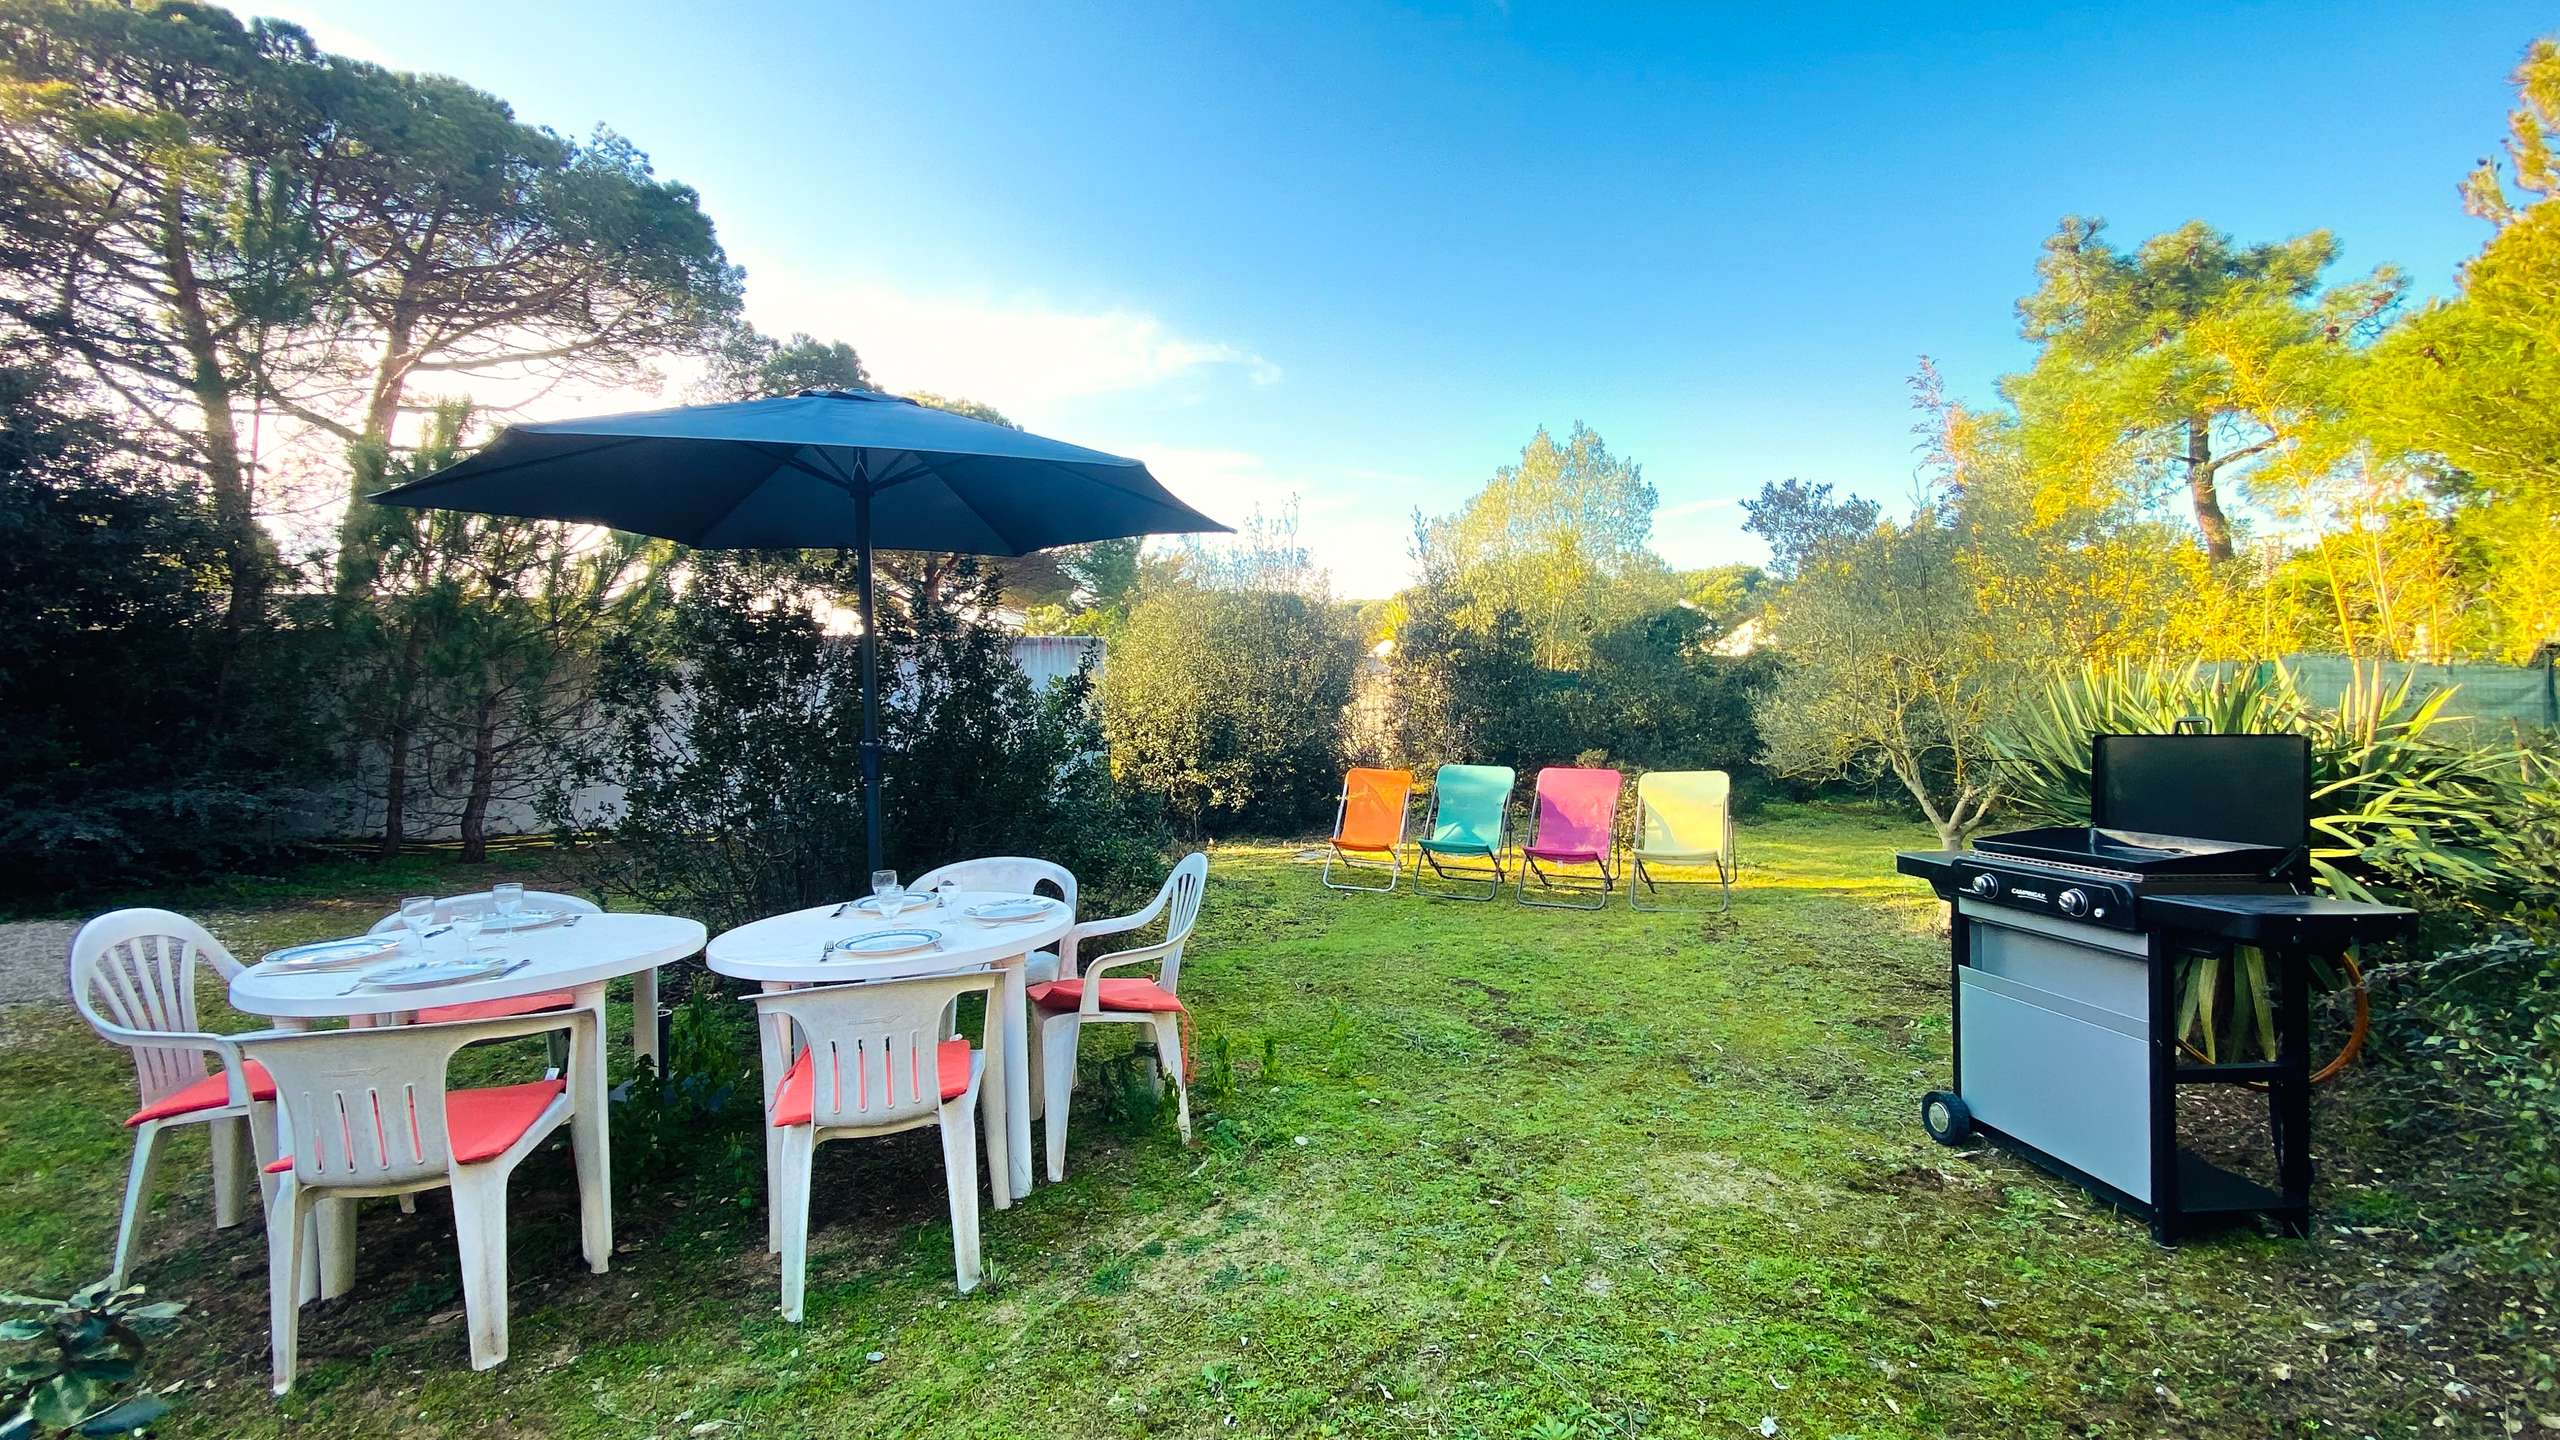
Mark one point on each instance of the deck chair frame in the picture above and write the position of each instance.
(1599, 885)
(1349, 859)
(1641, 877)
(1493, 878)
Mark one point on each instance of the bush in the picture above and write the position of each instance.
(1227, 705)
(734, 730)
(1653, 695)
(988, 765)
(139, 739)
(84, 1351)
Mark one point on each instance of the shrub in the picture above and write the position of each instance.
(1652, 696)
(734, 731)
(140, 739)
(988, 765)
(85, 1349)
(1227, 705)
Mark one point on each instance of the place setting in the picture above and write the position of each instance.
(404, 957)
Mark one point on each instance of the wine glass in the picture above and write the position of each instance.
(885, 890)
(417, 916)
(466, 930)
(506, 901)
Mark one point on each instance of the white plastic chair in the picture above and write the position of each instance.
(1075, 1000)
(1013, 875)
(133, 978)
(460, 907)
(370, 1115)
(878, 1062)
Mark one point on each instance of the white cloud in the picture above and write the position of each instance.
(1363, 556)
(1024, 356)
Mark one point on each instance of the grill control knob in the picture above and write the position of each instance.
(1986, 884)
(2074, 903)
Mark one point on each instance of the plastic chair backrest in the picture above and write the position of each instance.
(455, 907)
(132, 975)
(1682, 812)
(875, 1047)
(1577, 808)
(367, 1107)
(1373, 809)
(1470, 804)
(1010, 874)
(1180, 897)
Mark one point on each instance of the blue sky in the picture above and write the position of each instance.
(1359, 253)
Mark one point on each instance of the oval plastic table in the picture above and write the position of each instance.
(577, 958)
(784, 952)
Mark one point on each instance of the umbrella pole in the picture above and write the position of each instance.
(870, 666)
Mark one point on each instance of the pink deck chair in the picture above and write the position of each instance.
(1576, 830)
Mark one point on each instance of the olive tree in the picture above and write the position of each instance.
(1892, 662)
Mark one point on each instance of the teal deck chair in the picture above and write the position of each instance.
(1462, 842)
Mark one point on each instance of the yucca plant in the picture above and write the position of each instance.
(2394, 801)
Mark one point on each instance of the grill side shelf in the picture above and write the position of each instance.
(2279, 921)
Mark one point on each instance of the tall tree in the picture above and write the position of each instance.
(751, 365)
(2473, 382)
(1558, 540)
(466, 244)
(474, 637)
(1798, 520)
(153, 227)
(2188, 359)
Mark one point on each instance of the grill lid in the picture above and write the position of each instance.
(2252, 789)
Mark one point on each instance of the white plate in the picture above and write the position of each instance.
(1021, 907)
(912, 900)
(330, 954)
(495, 924)
(886, 942)
(422, 974)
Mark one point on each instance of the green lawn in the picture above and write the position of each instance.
(1479, 1171)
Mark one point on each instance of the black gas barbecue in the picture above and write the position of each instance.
(2067, 945)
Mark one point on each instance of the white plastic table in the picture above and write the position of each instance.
(577, 958)
(784, 952)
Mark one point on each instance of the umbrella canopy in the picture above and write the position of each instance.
(830, 469)
(786, 474)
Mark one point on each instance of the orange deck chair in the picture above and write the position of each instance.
(1369, 822)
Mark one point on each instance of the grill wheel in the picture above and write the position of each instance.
(1948, 1119)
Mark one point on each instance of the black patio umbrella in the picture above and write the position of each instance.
(839, 469)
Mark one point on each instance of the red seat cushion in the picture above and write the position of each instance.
(1130, 995)
(483, 1123)
(213, 1092)
(499, 1009)
(796, 1100)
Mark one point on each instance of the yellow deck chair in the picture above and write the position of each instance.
(1684, 821)
(1369, 821)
